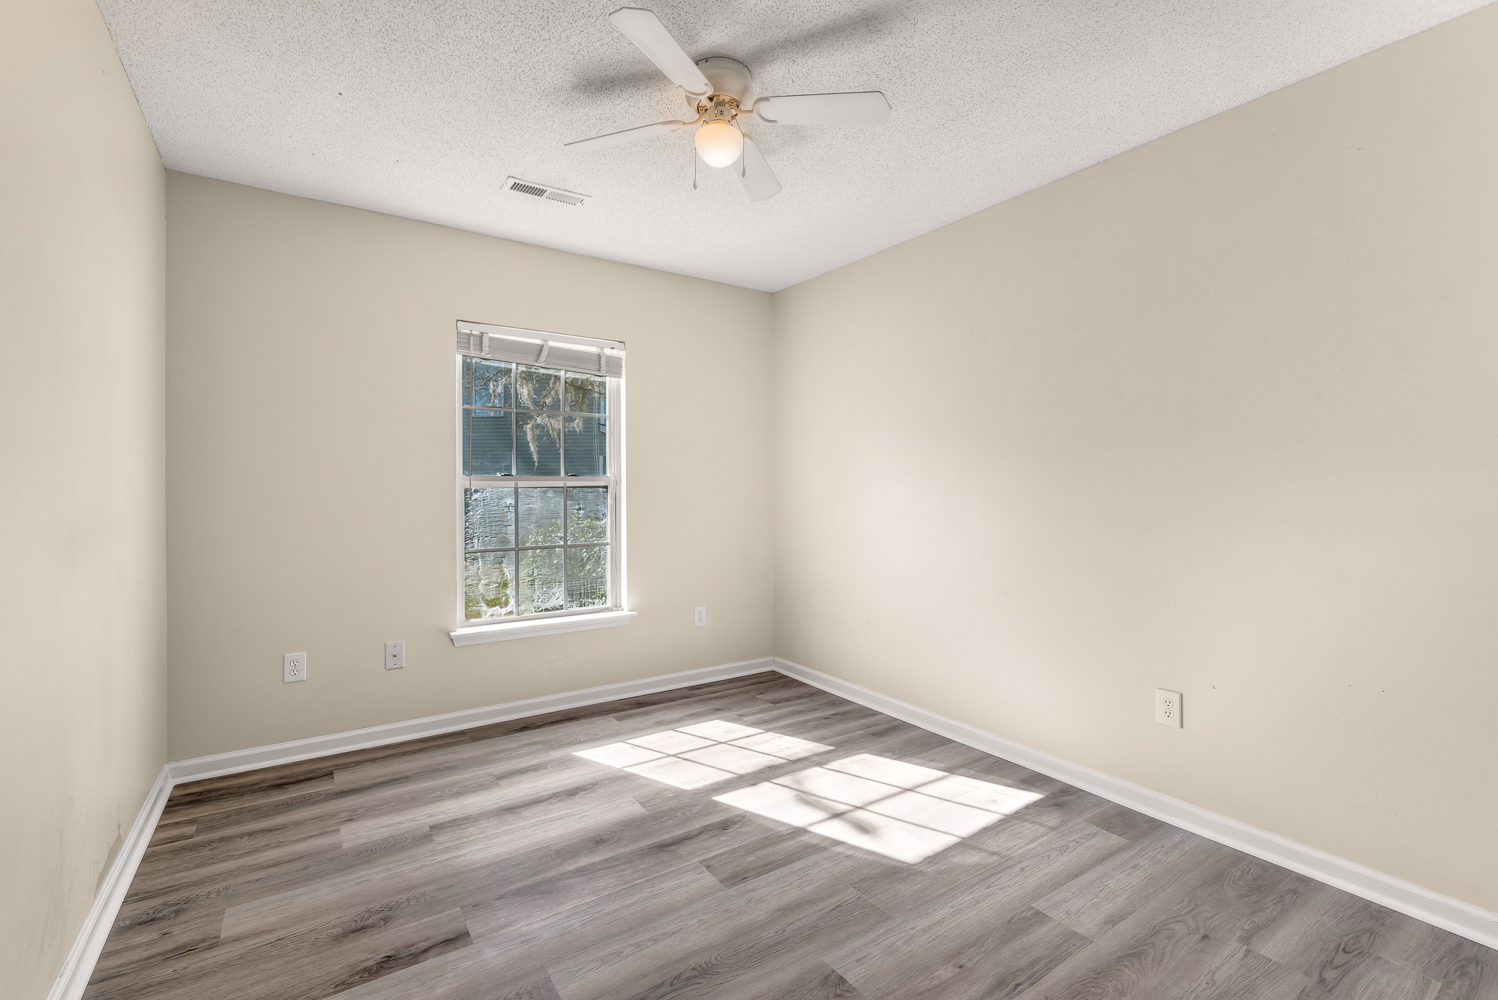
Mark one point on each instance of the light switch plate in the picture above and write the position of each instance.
(293, 667)
(395, 655)
(1168, 708)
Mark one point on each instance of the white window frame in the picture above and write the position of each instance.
(615, 612)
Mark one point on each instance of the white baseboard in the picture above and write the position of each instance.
(214, 765)
(79, 965)
(1461, 918)
(1451, 914)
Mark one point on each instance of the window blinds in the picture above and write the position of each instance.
(543, 350)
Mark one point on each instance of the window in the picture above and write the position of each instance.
(538, 474)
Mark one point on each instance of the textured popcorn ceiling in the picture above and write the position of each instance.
(421, 108)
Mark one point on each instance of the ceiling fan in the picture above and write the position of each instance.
(719, 90)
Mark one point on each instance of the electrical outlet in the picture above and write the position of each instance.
(1168, 707)
(699, 617)
(395, 655)
(294, 667)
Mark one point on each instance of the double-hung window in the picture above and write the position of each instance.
(538, 474)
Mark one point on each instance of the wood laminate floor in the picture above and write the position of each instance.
(499, 863)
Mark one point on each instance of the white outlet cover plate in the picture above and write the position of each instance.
(699, 617)
(1168, 708)
(294, 667)
(395, 655)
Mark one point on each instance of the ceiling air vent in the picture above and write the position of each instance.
(545, 191)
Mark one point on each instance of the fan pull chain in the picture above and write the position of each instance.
(694, 171)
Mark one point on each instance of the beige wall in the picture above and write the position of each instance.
(1219, 415)
(1215, 415)
(82, 590)
(311, 477)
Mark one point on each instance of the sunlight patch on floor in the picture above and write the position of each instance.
(903, 811)
(703, 754)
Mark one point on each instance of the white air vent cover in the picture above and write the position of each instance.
(544, 191)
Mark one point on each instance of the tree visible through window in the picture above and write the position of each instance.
(537, 490)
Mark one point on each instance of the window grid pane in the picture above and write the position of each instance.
(488, 519)
(542, 581)
(546, 433)
(488, 585)
(540, 509)
(538, 444)
(488, 383)
(527, 553)
(587, 576)
(586, 394)
(491, 442)
(554, 551)
(587, 514)
(538, 388)
(587, 438)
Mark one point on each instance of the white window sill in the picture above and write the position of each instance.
(474, 634)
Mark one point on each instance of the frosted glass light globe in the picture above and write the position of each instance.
(719, 144)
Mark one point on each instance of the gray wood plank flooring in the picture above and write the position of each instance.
(498, 863)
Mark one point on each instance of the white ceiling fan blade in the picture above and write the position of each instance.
(647, 32)
(866, 108)
(754, 170)
(626, 135)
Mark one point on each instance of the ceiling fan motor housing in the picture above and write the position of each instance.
(719, 110)
(729, 77)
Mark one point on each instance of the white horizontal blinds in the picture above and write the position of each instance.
(543, 350)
